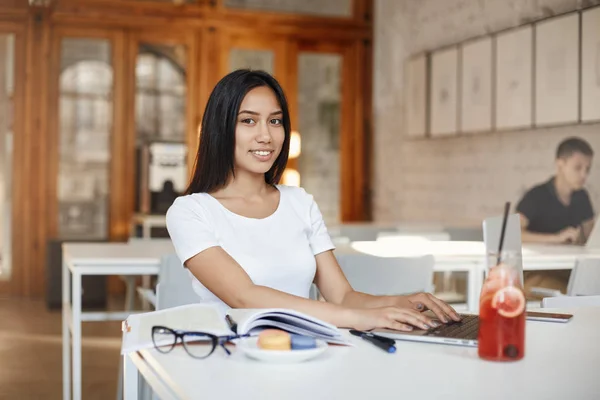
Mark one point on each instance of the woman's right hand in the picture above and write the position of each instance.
(396, 318)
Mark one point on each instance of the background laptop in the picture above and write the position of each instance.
(464, 333)
(593, 241)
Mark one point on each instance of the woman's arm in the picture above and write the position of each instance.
(336, 289)
(224, 277)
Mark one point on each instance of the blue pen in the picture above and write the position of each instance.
(383, 343)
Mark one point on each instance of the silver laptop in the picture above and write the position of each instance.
(464, 333)
(593, 241)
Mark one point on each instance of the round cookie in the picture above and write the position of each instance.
(274, 339)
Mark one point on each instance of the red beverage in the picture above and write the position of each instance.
(502, 316)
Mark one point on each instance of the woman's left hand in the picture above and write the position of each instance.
(426, 301)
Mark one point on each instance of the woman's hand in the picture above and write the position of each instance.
(426, 301)
(397, 318)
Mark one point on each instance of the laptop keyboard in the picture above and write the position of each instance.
(467, 328)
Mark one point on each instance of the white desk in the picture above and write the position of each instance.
(454, 256)
(149, 221)
(143, 258)
(134, 258)
(561, 362)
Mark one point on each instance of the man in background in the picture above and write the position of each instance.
(559, 210)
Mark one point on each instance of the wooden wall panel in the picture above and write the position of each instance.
(208, 30)
(30, 155)
(121, 168)
(365, 211)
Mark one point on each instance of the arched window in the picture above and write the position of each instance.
(85, 127)
(160, 95)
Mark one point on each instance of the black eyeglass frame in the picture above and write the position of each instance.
(179, 336)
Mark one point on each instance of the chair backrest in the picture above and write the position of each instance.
(585, 278)
(174, 286)
(387, 275)
(360, 232)
(593, 241)
(460, 234)
(492, 229)
(158, 241)
(340, 240)
(571, 301)
(436, 236)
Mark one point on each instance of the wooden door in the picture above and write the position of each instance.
(87, 122)
(163, 92)
(330, 98)
(12, 149)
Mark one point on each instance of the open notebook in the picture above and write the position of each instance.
(137, 328)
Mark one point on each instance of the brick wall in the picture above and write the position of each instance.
(458, 180)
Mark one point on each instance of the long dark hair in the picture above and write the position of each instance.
(215, 157)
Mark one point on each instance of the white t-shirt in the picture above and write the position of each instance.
(277, 251)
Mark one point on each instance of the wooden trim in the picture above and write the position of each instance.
(207, 10)
(209, 55)
(14, 4)
(30, 164)
(359, 133)
(368, 161)
(347, 149)
(239, 26)
(363, 11)
(120, 168)
(193, 84)
(53, 135)
(41, 133)
(291, 92)
(13, 12)
(119, 14)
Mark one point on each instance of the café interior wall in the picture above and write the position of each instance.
(457, 180)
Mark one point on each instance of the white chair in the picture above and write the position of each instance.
(464, 234)
(359, 232)
(492, 230)
(174, 286)
(340, 240)
(436, 236)
(583, 281)
(387, 275)
(145, 291)
(571, 301)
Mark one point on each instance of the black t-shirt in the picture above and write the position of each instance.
(546, 214)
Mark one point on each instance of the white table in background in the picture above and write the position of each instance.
(455, 256)
(149, 221)
(561, 362)
(79, 259)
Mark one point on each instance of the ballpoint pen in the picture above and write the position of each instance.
(232, 324)
(386, 344)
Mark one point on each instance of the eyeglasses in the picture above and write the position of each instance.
(196, 344)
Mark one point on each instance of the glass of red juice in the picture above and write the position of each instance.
(502, 310)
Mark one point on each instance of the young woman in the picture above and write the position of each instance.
(251, 243)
